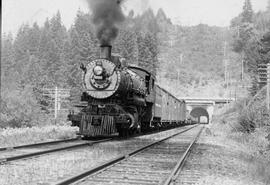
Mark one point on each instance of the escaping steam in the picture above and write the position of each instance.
(106, 15)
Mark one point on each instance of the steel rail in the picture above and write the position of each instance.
(179, 166)
(151, 132)
(29, 155)
(39, 144)
(114, 161)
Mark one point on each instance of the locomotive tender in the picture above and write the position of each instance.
(123, 99)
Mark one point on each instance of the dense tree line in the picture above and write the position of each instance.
(251, 39)
(46, 56)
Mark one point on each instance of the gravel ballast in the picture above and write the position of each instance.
(217, 160)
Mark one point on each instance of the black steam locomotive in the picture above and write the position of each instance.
(124, 99)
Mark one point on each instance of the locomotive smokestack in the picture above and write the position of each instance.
(105, 51)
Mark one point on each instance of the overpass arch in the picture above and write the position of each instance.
(199, 112)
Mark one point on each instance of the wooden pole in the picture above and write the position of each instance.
(242, 67)
(225, 72)
(55, 103)
(268, 89)
(225, 62)
(181, 58)
(178, 71)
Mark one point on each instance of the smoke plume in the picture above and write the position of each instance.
(107, 14)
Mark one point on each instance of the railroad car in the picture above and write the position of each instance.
(123, 98)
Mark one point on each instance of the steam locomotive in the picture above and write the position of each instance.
(124, 99)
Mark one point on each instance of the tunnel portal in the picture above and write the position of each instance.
(199, 112)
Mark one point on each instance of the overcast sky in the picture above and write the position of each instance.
(184, 12)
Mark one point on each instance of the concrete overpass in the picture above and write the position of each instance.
(204, 107)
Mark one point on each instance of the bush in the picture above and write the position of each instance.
(19, 108)
(35, 134)
(255, 114)
(229, 116)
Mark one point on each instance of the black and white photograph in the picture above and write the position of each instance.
(135, 92)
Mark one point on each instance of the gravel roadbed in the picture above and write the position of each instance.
(53, 167)
(216, 161)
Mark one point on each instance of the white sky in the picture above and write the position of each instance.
(185, 12)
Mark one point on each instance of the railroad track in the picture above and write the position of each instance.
(156, 163)
(14, 153)
(39, 144)
(26, 151)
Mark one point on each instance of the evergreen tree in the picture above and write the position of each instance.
(247, 14)
(18, 102)
(147, 52)
(83, 46)
(143, 52)
(58, 36)
(151, 43)
(126, 46)
(257, 52)
(7, 55)
(146, 22)
(44, 39)
(52, 39)
(264, 48)
(244, 28)
(262, 21)
(87, 42)
(75, 59)
(22, 54)
(21, 43)
(34, 39)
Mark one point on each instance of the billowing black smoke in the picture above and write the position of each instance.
(106, 15)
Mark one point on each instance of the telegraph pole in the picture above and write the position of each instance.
(56, 96)
(242, 67)
(55, 103)
(181, 58)
(225, 70)
(230, 84)
(268, 89)
(225, 62)
(178, 72)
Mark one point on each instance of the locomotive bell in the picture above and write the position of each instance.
(105, 51)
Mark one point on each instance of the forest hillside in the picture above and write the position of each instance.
(187, 61)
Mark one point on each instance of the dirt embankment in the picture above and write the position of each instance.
(231, 159)
(235, 148)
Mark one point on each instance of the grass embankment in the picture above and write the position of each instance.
(21, 136)
(242, 133)
(236, 157)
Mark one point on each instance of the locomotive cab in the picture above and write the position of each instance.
(149, 82)
(147, 117)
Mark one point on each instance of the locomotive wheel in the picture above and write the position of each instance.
(134, 131)
(145, 127)
(123, 132)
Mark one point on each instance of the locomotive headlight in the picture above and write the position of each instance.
(98, 70)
